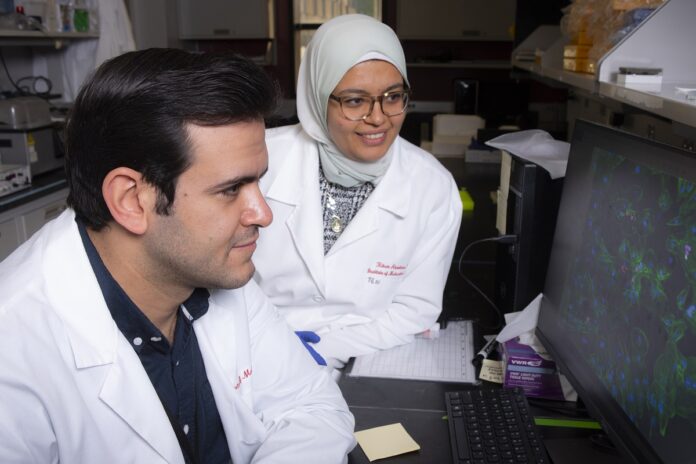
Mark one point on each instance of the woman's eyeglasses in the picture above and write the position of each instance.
(359, 107)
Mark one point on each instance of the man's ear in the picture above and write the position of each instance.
(129, 198)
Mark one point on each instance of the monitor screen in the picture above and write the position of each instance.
(619, 306)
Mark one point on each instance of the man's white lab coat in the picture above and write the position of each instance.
(73, 390)
(383, 279)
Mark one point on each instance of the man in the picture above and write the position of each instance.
(129, 330)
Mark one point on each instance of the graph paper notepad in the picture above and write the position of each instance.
(445, 359)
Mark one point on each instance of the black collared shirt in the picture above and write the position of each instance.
(176, 371)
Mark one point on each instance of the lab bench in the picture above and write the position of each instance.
(26, 211)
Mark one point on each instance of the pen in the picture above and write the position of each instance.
(485, 351)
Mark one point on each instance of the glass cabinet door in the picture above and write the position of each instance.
(310, 14)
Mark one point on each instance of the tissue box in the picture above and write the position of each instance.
(523, 367)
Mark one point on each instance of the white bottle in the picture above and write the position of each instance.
(65, 15)
(51, 16)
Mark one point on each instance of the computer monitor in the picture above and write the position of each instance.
(531, 208)
(619, 307)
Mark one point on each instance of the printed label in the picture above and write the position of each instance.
(31, 148)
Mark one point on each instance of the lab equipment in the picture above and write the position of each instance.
(28, 136)
(13, 177)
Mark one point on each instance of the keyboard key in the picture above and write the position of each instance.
(462, 445)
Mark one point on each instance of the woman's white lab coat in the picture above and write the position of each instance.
(383, 279)
(73, 390)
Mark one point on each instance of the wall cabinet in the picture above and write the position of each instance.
(230, 19)
(9, 237)
(18, 224)
(456, 19)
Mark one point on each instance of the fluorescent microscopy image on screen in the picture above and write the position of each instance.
(636, 272)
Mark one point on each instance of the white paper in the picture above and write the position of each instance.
(538, 147)
(446, 358)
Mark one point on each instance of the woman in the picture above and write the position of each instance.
(365, 223)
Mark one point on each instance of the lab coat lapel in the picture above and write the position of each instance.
(130, 394)
(391, 196)
(298, 186)
(364, 223)
(95, 340)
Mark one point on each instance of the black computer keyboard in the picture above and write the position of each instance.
(493, 426)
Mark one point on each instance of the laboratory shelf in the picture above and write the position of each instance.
(463, 64)
(667, 103)
(20, 38)
(664, 40)
(46, 35)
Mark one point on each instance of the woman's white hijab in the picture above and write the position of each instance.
(337, 46)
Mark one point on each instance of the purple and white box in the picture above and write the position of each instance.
(525, 368)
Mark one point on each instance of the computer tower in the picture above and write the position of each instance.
(530, 210)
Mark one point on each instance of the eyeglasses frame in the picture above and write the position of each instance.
(373, 99)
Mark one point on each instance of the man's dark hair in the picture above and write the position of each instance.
(133, 110)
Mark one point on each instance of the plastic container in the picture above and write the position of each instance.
(80, 16)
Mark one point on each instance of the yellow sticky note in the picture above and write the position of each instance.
(386, 441)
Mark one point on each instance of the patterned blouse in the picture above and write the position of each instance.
(340, 205)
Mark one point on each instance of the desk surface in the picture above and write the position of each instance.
(420, 407)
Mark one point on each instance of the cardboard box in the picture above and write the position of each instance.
(523, 367)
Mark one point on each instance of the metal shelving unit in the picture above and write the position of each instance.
(664, 40)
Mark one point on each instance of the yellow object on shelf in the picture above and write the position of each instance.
(624, 5)
(581, 65)
(576, 51)
(467, 201)
(583, 38)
